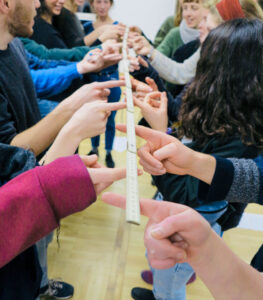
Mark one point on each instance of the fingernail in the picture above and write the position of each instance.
(157, 232)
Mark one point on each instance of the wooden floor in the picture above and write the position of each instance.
(102, 256)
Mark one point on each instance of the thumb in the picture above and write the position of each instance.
(165, 152)
(164, 101)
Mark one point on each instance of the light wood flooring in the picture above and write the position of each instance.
(102, 256)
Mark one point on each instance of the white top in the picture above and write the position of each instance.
(174, 72)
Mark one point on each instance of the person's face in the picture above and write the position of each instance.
(101, 7)
(54, 6)
(206, 25)
(79, 2)
(21, 17)
(192, 13)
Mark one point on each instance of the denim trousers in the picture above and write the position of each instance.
(170, 284)
(46, 106)
(115, 94)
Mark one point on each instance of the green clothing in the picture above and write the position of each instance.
(167, 25)
(171, 42)
(73, 54)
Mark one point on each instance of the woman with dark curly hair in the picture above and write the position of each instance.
(222, 114)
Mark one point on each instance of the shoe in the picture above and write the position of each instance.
(57, 290)
(147, 276)
(192, 279)
(94, 151)
(109, 161)
(142, 294)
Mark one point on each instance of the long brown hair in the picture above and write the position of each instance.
(225, 98)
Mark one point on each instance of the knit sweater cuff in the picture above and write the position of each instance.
(220, 184)
(68, 187)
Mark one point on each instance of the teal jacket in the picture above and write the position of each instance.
(73, 54)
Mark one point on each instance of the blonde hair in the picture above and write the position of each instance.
(178, 15)
(216, 15)
(251, 9)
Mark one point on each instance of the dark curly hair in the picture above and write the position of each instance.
(226, 97)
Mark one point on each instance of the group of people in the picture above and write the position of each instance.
(200, 81)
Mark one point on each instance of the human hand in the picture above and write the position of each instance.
(92, 62)
(93, 92)
(111, 47)
(154, 110)
(91, 118)
(101, 176)
(135, 28)
(140, 45)
(163, 153)
(174, 234)
(113, 32)
(133, 64)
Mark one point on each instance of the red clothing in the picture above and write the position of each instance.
(32, 204)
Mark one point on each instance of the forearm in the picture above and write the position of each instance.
(92, 37)
(57, 190)
(40, 136)
(172, 71)
(225, 274)
(65, 144)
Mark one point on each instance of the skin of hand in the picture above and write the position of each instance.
(114, 32)
(135, 28)
(90, 120)
(174, 234)
(133, 63)
(140, 45)
(96, 60)
(143, 89)
(93, 91)
(101, 176)
(163, 153)
(154, 110)
(111, 47)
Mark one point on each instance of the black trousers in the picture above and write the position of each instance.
(257, 261)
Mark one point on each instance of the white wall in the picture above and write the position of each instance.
(147, 14)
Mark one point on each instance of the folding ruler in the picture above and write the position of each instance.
(132, 191)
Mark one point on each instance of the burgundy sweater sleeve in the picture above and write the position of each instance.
(32, 204)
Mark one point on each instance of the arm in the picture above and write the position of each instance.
(41, 135)
(74, 54)
(52, 81)
(49, 198)
(177, 234)
(172, 71)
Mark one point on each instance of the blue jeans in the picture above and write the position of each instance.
(170, 284)
(46, 106)
(110, 126)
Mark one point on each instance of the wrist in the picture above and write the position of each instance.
(202, 166)
(150, 53)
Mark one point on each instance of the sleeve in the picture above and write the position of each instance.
(167, 25)
(174, 72)
(36, 63)
(50, 82)
(32, 204)
(74, 54)
(7, 125)
(170, 43)
(235, 180)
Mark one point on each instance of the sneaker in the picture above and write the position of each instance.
(94, 151)
(142, 294)
(109, 161)
(57, 290)
(147, 276)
